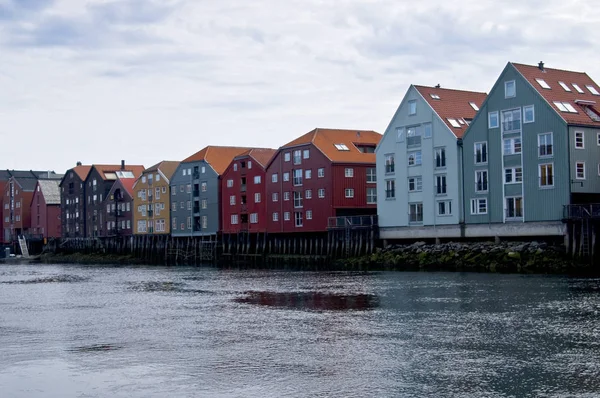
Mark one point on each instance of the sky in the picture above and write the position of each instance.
(99, 81)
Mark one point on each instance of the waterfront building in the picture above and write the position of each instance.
(533, 148)
(419, 163)
(244, 201)
(152, 199)
(196, 191)
(118, 206)
(45, 209)
(72, 201)
(321, 174)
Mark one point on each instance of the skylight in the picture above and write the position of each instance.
(565, 107)
(341, 147)
(434, 96)
(453, 122)
(543, 83)
(593, 90)
(579, 90)
(563, 85)
(461, 121)
(474, 106)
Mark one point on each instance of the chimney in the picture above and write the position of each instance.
(541, 66)
(78, 163)
(122, 165)
(438, 86)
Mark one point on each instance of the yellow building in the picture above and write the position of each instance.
(152, 200)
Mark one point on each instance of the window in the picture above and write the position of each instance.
(580, 170)
(543, 83)
(453, 122)
(189, 205)
(204, 203)
(275, 216)
(257, 197)
(513, 175)
(305, 154)
(493, 120)
(308, 174)
(474, 106)
(349, 172)
(144, 179)
(511, 120)
(204, 222)
(297, 199)
(481, 152)
(444, 208)
(173, 207)
(249, 164)
(598, 139)
(427, 131)
(564, 86)
(309, 214)
(479, 206)
(203, 185)
(257, 179)
(234, 219)
(286, 176)
(514, 207)
(400, 134)
(509, 89)
(371, 195)
(413, 137)
(414, 158)
(297, 156)
(164, 189)
(415, 212)
(298, 218)
(286, 196)
(481, 181)
(321, 172)
(576, 87)
(232, 200)
(545, 145)
(512, 146)
(390, 189)
(349, 193)
(528, 114)
(579, 141)
(275, 196)
(174, 191)
(546, 175)
(235, 167)
(321, 193)
(415, 184)
(565, 107)
(341, 147)
(298, 177)
(253, 218)
(274, 177)
(412, 107)
(440, 184)
(286, 157)
(434, 96)
(182, 205)
(308, 194)
(286, 216)
(372, 174)
(593, 90)
(389, 164)
(440, 158)
(203, 169)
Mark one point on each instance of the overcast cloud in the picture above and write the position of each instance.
(147, 80)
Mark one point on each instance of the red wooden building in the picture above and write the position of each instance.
(45, 209)
(243, 201)
(324, 173)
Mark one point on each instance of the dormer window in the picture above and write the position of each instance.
(593, 90)
(576, 87)
(563, 85)
(543, 83)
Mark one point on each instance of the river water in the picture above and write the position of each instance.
(97, 331)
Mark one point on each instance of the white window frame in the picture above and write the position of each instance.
(540, 135)
(321, 172)
(497, 116)
(412, 107)
(257, 197)
(307, 174)
(441, 184)
(232, 200)
(321, 193)
(418, 183)
(481, 144)
(286, 176)
(306, 154)
(349, 172)
(416, 157)
(308, 194)
(349, 192)
(275, 216)
(577, 175)
(287, 157)
(476, 206)
(274, 177)
(308, 214)
(443, 159)
(543, 84)
(525, 120)
(514, 175)
(286, 216)
(286, 195)
(447, 208)
(275, 197)
(371, 198)
(298, 221)
(416, 213)
(506, 85)
(546, 186)
(513, 146)
(487, 181)
(253, 218)
(514, 198)
(234, 219)
(582, 135)
(257, 180)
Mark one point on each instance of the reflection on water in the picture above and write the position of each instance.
(70, 331)
(311, 300)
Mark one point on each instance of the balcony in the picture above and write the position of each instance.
(150, 213)
(414, 141)
(243, 188)
(352, 222)
(196, 210)
(196, 192)
(244, 208)
(582, 211)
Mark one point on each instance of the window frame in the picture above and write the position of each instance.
(482, 143)
(487, 181)
(550, 176)
(412, 107)
(476, 205)
(497, 117)
(525, 121)
(576, 132)
(577, 164)
(506, 85)
(551, 146)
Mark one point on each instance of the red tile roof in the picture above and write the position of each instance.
(127, 184)
(326, 139)
(82, 171)
(218, 157)
(557, 93)
(453, 104)
(260, 155)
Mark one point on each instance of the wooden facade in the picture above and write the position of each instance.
(73, 202)
(45, 210)
(118, 208)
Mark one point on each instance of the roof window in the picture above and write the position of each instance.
(543, 83)
(474, 106)
(341, 147)
(576, 87)
(435, 96)
(565, 107)
(592, 90)
(453, 122)
(563, 85)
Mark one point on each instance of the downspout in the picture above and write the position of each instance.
(462, 211)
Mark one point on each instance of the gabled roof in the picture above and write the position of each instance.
(51, 191)
(218, 157)
(166, 167)
(127, 184)
(556, 93)
(5, 175)
(260, 155)
(82, 171)
(326, 140)
(452, 104)
(106, 170)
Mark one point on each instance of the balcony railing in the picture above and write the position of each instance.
(513, 125)
(352, 221)
(582, 211)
